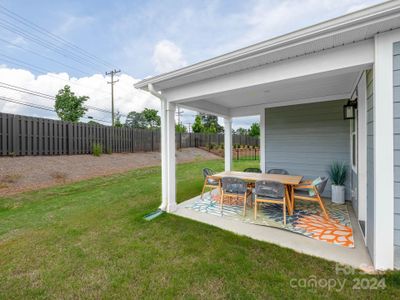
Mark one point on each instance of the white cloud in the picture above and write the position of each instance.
(266, 20)
(167, 57)
(127, 98)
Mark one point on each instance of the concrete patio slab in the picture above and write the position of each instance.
(357, 257)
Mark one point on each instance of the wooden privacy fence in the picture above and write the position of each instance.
(22, 135)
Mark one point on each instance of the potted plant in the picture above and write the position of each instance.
(337, 175)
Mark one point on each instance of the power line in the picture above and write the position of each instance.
(48, 45)
(42, 30)
(44, 56)
(42, 71)
(42, 107)
(45, 96)
(112, 82)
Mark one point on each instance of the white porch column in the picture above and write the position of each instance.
(262, 141)
(362, 147)
(164, 157)
(170, 145)
(228, 143)
(383, 151)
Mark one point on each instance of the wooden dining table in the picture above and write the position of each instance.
(288, 180)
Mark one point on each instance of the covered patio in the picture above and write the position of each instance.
(298, 84)
(357, 256)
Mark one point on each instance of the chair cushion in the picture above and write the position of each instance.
(211, 181)
(316, 181)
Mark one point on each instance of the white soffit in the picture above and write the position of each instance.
(310, 88)
(313, 88)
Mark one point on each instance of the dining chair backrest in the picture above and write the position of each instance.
(278, 171)
(207, 172)
(252, 170)
(321, 186)
(268, 188)
(234, 185)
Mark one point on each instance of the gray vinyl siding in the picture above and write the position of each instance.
(305, 139)
(370, 163)
(396, 110)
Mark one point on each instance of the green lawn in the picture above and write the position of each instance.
(89, 240)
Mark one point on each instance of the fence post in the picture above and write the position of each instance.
(70, 142)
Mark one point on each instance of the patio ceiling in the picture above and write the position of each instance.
(248, 100)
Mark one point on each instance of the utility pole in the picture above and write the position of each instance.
(112, 82)
(189, 126)
(179, 113)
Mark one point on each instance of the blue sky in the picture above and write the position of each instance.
(144, 38)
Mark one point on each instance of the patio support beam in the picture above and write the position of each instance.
(228, 143)
(171, 167)
(383, 151)
(262, 140)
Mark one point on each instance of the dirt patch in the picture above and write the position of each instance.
(19, 174)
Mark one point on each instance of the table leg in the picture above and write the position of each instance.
(288, 199)
(292, 196)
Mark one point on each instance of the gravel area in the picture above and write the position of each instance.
(18, 174)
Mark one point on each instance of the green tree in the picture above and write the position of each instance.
(180, 128)
(91, 122)
(254, 129)
(242, 131)
(152, 118)
(68, 106)
(135, 120)
(117, 121)
(197, 125)
(210, 124)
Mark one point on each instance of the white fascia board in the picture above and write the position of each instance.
(252, 110)
(367, 16)
(359, 55)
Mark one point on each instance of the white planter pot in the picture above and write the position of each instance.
(338, 194)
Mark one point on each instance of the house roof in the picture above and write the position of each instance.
(350, 28)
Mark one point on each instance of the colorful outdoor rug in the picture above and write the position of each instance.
(306, 219)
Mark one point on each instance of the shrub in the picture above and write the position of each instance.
(97, 149)
(338, 173)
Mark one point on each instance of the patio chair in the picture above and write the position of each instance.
(210, 181)
(302, 192)
(233, 187)
(267, 191)
(252, 170)
(278, 171)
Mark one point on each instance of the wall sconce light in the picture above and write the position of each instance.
(349, 110)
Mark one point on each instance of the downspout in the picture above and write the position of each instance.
(164, 171)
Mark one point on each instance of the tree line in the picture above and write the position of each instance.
(70, 107)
